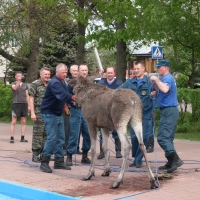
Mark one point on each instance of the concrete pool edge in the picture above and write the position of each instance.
(22, 192)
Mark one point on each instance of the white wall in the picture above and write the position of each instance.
(2, 66)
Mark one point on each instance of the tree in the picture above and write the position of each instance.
(28, 22)
(176, 25)
(118, 20)
(107, 58)
(60, 47)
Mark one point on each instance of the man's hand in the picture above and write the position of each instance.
(74, 98)
(33, 117)
(153, 93)
(29, 109)
(67, 111)
(153, 78)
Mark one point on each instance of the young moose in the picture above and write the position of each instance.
(111, 110)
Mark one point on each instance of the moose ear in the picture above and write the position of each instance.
(72, 81)
(82, 79)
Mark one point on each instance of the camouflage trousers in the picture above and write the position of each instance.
(39, 136)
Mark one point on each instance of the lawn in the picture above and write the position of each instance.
(192, 135)
(195, 136)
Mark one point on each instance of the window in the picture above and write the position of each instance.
(14, 43)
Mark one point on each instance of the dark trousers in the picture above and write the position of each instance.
(77, 124)
(146, 130)
(167, 128)
(67, 130)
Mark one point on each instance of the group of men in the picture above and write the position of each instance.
(47, 100)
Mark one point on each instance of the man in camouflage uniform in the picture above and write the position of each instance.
(36, 91)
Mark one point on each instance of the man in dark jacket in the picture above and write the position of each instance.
(77, 124)
(112, 83)
(56, 95)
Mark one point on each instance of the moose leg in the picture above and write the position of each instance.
(121, 130)
(138, 132)
(93, 137)
(105, 135)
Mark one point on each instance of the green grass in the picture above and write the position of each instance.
(8, 120)
(192, 135)
(195, 136)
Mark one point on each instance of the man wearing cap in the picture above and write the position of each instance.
(167, 103)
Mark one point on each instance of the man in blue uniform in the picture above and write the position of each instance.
(112, 83)
(52, 106)
(167, 103)
(142, 86)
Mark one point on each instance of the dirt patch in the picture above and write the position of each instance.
(130, 185)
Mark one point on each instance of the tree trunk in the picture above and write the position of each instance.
(32, 67)
(80, 55)
(121, 62)
(193, 71)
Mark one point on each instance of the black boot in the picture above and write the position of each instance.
(45, 164)
(101, 154)
(167, 165)
(85, 159)
(59, 164)
(36, 155)
(36, 159)
(69, 159)
(118, 148)
(78, 152)
(176, 162)
(150, 146)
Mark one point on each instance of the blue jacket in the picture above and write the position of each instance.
(115, 84)
(143, 91)
(56, 95)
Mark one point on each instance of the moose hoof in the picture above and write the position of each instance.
(106, 173)
(115, 185)
(87, 178)
(154, 184)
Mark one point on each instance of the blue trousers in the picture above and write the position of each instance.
(77, 124)
(167, 128)
(54, 126)
(114, 135)
(147, 129)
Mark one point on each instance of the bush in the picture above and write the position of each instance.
(5, 101)
(182, 81)
(183, 128)
(192, 97)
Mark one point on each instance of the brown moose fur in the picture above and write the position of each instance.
(110, 110)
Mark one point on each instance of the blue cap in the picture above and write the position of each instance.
(162, 63)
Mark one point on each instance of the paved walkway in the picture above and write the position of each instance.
(16, 166)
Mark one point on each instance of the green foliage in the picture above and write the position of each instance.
(107, 58)
(183, 100)
(183, 128)
(193, 136)
(59, 47)
(182, 81)
(5, 101)
(188, 97)
(195, 103)
(14, 67)
(29, 22)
